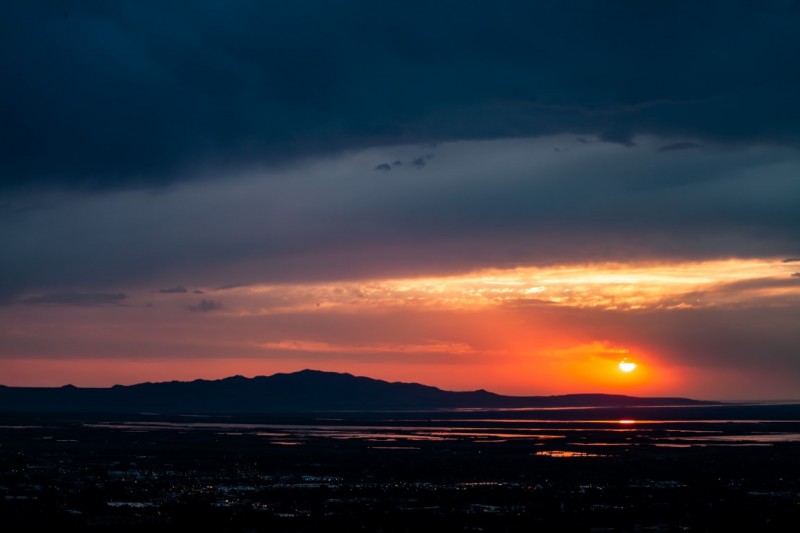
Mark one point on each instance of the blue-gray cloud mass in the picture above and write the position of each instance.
(483, 204)
(99, 95)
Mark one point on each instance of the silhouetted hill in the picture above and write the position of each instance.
(307, 390)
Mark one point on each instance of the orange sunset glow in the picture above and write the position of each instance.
(547, 329)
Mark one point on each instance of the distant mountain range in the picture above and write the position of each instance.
(307, 390)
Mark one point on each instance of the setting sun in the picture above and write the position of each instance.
(627, 366)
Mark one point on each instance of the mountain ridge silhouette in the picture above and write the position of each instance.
(305, 390)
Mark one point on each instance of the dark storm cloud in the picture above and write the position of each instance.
(419, 162)
(205, 306)
(139, 93)
(80, 299)
(174, 290)
(678, 146)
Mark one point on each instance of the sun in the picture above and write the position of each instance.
(627, 366)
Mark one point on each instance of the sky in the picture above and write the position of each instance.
(507, 195)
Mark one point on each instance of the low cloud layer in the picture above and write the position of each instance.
(174, 290)
(206, 306)
(80, 299)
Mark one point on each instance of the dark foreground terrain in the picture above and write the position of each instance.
(415, 472)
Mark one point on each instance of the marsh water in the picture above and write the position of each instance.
(575, 430)
(703, 468)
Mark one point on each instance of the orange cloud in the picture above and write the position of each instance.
(325, 347)
(609, 286)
